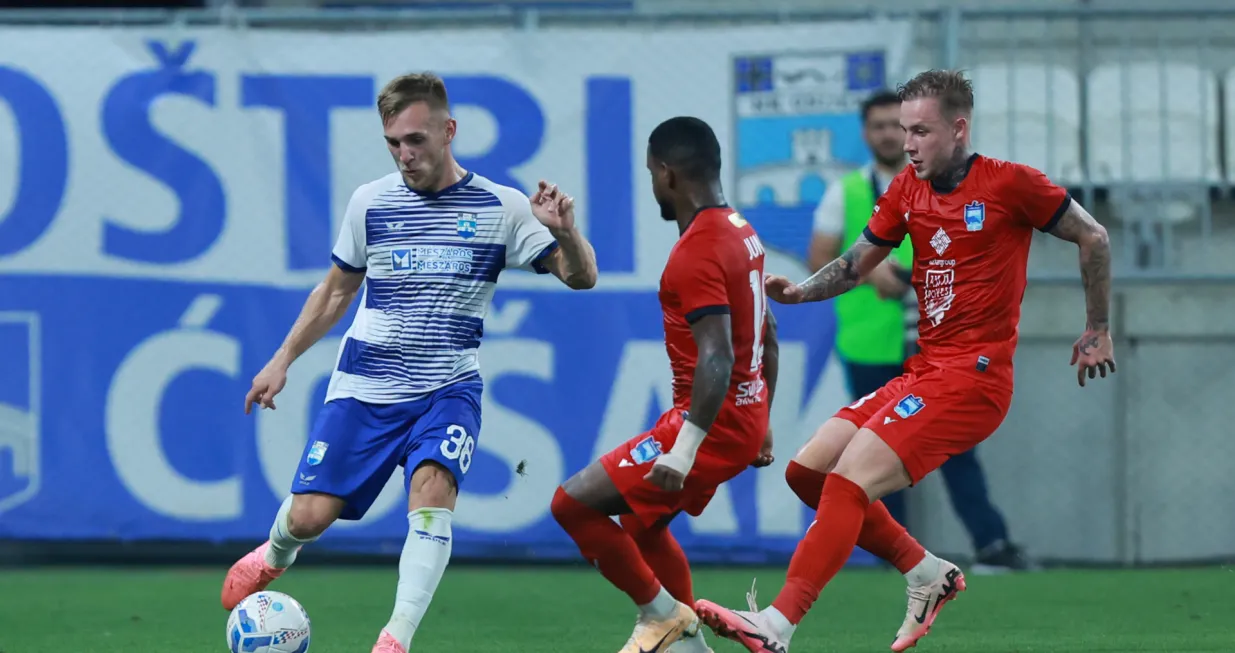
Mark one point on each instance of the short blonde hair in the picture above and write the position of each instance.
(954, 92)
(406, 90)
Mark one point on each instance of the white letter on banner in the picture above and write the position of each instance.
(642, 374)
(282, 433)
(132, 417)
(513, 438)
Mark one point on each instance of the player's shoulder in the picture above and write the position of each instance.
(1001, 170)
(512, 199)
(714, 225)
(366, 194)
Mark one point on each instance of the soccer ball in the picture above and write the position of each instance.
(268, 622)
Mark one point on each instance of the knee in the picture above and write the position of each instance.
(311, 515)
(432, 486)
(805, 482)
(563, 506)
(873, 466)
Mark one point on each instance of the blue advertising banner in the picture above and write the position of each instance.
(174, 200)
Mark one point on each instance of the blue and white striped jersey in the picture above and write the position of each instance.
(431, 262)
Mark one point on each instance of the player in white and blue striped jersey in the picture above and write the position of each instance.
(426, 245)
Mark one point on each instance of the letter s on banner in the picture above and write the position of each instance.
(129, 132)
(42, 170)
(512, 437)
(132, 417)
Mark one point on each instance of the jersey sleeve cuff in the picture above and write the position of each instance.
(877, 241)
(1058, 215)
(538, 264)
(704, 311)
(344, 265)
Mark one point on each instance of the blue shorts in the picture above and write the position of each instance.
(355, 446)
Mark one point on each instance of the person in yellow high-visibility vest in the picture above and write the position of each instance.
(876, 322)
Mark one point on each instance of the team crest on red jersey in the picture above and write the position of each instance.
(975, 215)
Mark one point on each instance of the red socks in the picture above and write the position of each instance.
(805, 482)
(825, 548)
(664, 555)
(882, 535)
(607, 547)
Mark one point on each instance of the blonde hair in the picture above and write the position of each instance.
(954, 92)
(406, 90)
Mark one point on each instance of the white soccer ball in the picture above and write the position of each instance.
(268, 622)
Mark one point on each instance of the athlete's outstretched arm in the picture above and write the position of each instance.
(713, 370)
(327, 303)
(574, 260)
(1094, 350)
(835, 278)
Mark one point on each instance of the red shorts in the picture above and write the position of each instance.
(931, 414)
(630, 461)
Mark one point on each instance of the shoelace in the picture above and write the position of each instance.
(750, 596)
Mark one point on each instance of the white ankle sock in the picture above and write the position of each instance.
(779, 623)
(661, 607)
(283, 546)
(425, 555)
(923, 573)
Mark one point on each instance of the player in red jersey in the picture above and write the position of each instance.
(971, 219)
(722, 348)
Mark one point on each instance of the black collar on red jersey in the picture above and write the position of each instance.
(701, 210)
(944, 187)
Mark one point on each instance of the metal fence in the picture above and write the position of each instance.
(1134, 109)
(1132, 105)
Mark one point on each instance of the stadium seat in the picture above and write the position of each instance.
(1152, 122)
(1015, 120)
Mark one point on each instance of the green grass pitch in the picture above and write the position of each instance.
(497, 610)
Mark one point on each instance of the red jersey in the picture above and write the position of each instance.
(717, 267)
(971, 249)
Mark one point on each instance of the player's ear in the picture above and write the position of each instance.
(451, 128)
(960, 127)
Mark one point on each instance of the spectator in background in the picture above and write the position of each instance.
(877, 322)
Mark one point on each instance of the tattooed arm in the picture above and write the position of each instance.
(713, 371)
(1094, 350)
(835, 278)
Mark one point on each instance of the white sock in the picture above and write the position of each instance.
(424, 558)
(779, 623)
(925, 572)
(661, 607)
(283, 547)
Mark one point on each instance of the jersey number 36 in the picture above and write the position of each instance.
(459, 447)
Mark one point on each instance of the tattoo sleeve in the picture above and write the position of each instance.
(1079, 227)
(771, 356)
(844, 273)
(713, 369)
